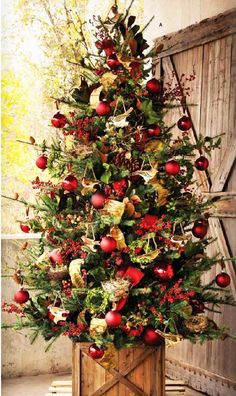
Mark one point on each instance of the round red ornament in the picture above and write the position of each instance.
(103, 109)
(59, 120)
(150, 337)
(153, 86)
(108, 244)
(21, 296)
(25, 228)
(163, 271)
(70, 183)
(154, 130)
(184, 123)
(113, 319)
(42, 161)
(98, 200)
(223, 279)
(95, 351)
(172, 167)
(112, 61)
(202, 163)
(55, 257)
(199, 230)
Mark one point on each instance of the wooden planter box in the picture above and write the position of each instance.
(138, 371)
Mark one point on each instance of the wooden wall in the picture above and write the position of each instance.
(208, 49)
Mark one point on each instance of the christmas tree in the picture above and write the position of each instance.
(123, 231)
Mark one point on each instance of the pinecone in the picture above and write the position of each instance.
(125, 160)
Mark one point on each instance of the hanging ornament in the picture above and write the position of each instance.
(57, 315)
(135, 332)
(70, 183)
(153, 86)
(120, 121)
(150, 337)
(88, 185)
(163, 271)
(55, 257)
(113, 319)
(202, 163)
(108, 244)
(98, 200)
(199, 230)
(113, 62)
(21, 296)
(196, 324)
(172, 167)
(75, 273)
(184, 123)
(59, 120)
(42, 161)
(154, 130)
(103, 109)
(198, 306)
(118, 235)
(89, 244)
(222, 279)
(25, 228)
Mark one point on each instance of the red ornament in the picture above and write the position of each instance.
(55, 257)
(153, 86)
(21, 296)
(172, 167)
(70, 183)
(108, 244)
(120, 187)
(113, 62)
(154, 130)
(25, 228)
(103, 108)
(121, 303)
(163, 271)
(223, 279)
(198, 307)
(108, 47)
(59, 120)
(42, 161)
(184, 123)
(98, 200)
(199, 230)
(136, 332)
(150, 337)
(113, 319)
(95, 352)
(202, 163)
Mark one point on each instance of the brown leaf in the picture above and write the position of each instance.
(133, 46)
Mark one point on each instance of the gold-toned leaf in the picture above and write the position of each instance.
(162, 192)
(107, 80)
(118, 235)
(75, 273)
(97, 326)
(154, 146)
(94, 97)
(115, 209)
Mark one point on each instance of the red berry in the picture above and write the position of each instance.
(21, 296)
(112, 61)
(25, 228)
(223, 279)
(95, 351)
(70, 183)
(56, 257)
(202, 163)
(59, 120)
(153, 86)
(98, 200)
(199, 230)
(184, 123)
(113, 319)
(172, 167)
(108, 244)
(154, 130)
(103, 109)
(41, 162)
(150, 337)
(163, 271)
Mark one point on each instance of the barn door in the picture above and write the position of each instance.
(208, 50)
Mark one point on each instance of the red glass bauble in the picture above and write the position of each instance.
(70, 183)
(55, 257)
(25, 228)
(103, 109)
(199, 230)
(172, 167)
(153, 86)
(135, 332)
(150, 337)
(59, 120)
(41, 162)
(108, 244)
(113, 319)
(163, 271)
(98, 200)
(21, 296)
(184, 123)
(113, 62)
(223, 279)
(202, 163)
(95, 351)
(154, 130)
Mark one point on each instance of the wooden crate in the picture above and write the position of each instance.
(138, 371)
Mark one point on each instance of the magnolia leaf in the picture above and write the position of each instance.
(133, 46)
(94, 97)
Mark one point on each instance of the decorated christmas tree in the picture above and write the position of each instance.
(124, 232)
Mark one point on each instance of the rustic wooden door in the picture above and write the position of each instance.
(209, 50)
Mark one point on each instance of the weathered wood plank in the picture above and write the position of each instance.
(225, 168)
